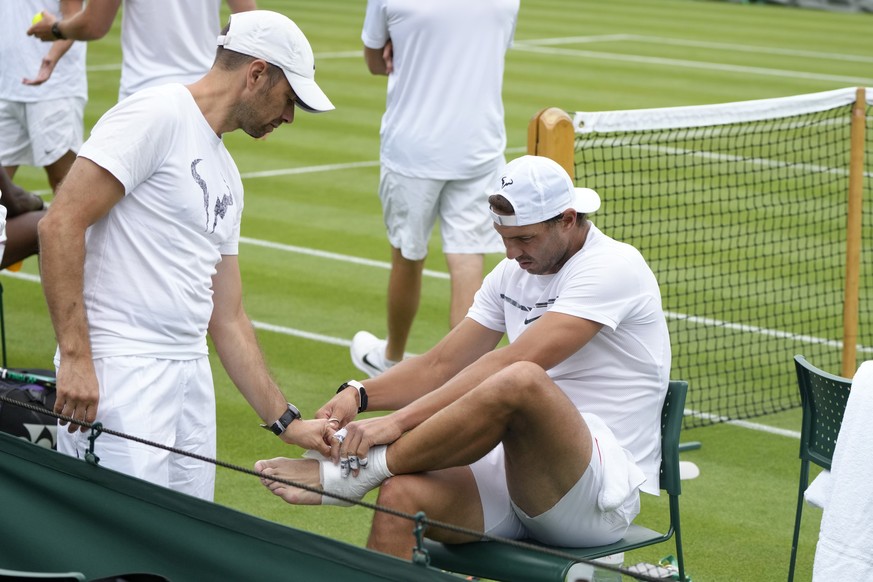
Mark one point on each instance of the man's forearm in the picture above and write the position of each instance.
(62, 265)
(237, 348)
(89, 23)
(460, 384)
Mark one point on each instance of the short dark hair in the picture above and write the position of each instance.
(501, 205)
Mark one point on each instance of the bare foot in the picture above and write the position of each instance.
(303, 471)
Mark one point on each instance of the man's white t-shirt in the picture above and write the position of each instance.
(21, 57)
(444, 110)
(622, 374)
(149, 262)
(166, 41)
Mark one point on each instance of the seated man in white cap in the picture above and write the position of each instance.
(550, 437)
(139, 261)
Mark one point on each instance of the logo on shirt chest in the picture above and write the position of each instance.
(217, 209)
(540, 307)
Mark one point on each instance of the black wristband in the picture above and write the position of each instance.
(56, 31)
(362, 393)
(290, 415)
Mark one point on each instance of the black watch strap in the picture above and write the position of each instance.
(362, 393)
(289, 416)
(56, 31)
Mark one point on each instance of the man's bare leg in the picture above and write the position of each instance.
(546, 442)
(449, 496)
(404, 297)
(465, 272)
(58, 170)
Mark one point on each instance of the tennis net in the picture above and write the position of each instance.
(742, 211)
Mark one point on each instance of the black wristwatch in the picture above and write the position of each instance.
(284, 421)
(362, 394)
(56, 31)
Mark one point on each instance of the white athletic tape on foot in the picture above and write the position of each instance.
(352, 487)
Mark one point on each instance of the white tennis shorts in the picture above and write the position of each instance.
(574, 521)
(171, 402)
(410, 207)
(39, 133)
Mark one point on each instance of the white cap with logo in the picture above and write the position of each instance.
(539, 189)
(275, 38)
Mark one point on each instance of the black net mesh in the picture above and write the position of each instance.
(744, 225)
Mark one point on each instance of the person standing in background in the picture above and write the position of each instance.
(43, 92)
(442, 147)
(162, 41)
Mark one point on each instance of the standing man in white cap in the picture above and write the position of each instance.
(139, 260)
(550, 437)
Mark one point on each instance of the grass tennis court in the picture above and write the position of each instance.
(314, 255)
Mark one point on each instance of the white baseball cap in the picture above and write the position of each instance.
(273, 37)
(539, 189)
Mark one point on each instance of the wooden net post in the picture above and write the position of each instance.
(550, 133)
(853, 235)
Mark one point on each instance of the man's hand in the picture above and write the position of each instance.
(342, 408)
(43, 29)
(310, 434)
(388, 57)
(78, 393)
(361, 435)
(46, 67)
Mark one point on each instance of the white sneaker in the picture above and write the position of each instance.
(368, 354)
(349, 486)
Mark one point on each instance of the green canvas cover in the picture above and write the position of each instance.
(58, 513)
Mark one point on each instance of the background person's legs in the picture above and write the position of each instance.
(404, 297)
(467, 233)
(57, 170)
(466, 274)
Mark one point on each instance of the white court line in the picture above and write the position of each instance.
(310, 169)
(661, 61)
(336, 167)
(332, 256)
(743, 423)
(539, 45)
(800, 338)
(731, 47)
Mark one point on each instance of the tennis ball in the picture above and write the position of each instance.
(36, 18)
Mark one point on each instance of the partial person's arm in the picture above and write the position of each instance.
(380, 61)
(237, 347)
(90, 23)
(16, 199)
(59, 48)
(84, 197)
(241, 5)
